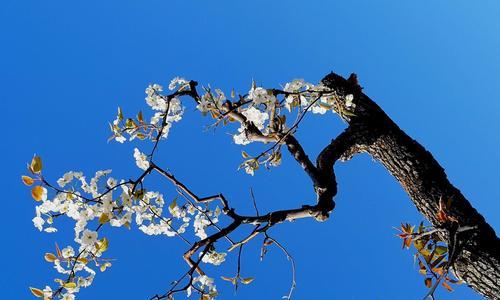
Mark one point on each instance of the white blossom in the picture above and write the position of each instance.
(47, 292)
(241, 138)
(141, 159)
(295, 86)
(68, 296)
(206, 282)
(199, 224)
(213, 257)
(111, 183)
(256, 116)
(89, 237)
(50, 229)
(67, 252)
(260, 95)
(348, 101)
(68, 177)
(177, 81)
(318, 109)
(120, 138)
(38, 222)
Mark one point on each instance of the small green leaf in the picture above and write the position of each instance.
(440, 250)
(173, 204)
(36, 164)
(120, 114)
(103, 219)
(69, 285)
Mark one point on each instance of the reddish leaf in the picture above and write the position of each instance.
(428, 282)
(447, 286)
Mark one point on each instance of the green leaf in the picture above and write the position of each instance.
(36, 164)
(440, 250)
(69, 285)
(130, 123)
(173, 204)
(103, 219)
(102, 244)
(120, 114)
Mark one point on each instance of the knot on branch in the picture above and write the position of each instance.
(322, 216)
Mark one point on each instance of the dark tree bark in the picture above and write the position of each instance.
(477, 259)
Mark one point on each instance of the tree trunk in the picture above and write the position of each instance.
(372, 131)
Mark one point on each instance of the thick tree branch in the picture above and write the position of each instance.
(373, 132)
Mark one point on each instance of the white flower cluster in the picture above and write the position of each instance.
(159, 102)
(254, 115)
(210, 101)
(113, 202)
(259, 95)
(214, 258)
(168, 110)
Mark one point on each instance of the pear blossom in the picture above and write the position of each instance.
(260, 95)
(141, 159)
(318, 109)
(205, 282)
(295, 86)
(38, 222)
(199, 224)
(177, 81)
(68, 296)
(156, 118)
(213, 258)
(256, 116)
(175, 110)
(126, 219)
(89, 237)
(47, 292)
(50, 229)
(67, 252)
(120, 138)
(111, 182)
(348, 101)
(241, 137)
(68, 177)
(153, 99)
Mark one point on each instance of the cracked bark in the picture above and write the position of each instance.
(373, 132)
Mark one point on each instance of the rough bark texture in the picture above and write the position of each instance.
(372, 131)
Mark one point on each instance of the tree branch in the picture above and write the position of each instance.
(371, 130)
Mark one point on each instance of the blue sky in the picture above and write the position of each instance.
(433, 66)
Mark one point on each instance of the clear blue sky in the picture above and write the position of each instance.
(434, 66)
